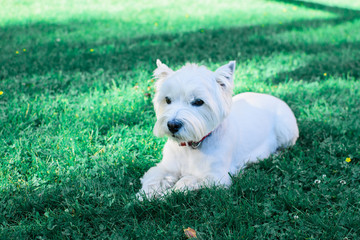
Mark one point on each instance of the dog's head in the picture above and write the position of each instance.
(193, 101)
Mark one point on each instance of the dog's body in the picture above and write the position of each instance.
(210, 133)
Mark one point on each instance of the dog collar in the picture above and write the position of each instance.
(192, 144)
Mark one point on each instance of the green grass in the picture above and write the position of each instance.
(76, 117)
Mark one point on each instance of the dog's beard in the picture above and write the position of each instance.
(194, 128)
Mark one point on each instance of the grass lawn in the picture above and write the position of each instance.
(76, 117)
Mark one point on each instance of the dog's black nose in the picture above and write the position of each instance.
(174, 125)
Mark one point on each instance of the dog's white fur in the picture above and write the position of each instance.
(245, 128)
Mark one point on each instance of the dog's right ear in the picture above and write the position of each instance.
(162, 71)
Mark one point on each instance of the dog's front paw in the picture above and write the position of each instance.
(142, 195)
(188, 183)
(156, 188)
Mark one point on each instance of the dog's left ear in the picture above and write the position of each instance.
(162, 71)
(225, 75)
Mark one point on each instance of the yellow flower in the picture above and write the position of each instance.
(91, 50)
(325, 74)
(348, 159)
(24, 50)
(17, 52)
(1, 93)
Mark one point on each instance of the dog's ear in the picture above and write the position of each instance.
(162, 71)
(225, 75)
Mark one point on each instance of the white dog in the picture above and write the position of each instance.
(210, 134)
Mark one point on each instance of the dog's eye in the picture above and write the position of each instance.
(168, 100)
(197, 102)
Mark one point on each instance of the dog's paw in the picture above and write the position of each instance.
(188, 183)
(152, 195)
(157, 188)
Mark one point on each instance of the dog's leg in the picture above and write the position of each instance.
(156, 181)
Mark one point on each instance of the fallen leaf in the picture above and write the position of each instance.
(190, 233)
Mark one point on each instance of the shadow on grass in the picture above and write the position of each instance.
(125, 55)
(343, 12)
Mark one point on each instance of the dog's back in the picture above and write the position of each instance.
(263, 124)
